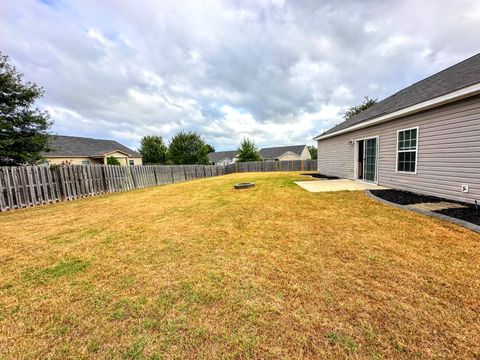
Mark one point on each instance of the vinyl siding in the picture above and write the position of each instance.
(289, 156)
(448, 151)
(306, 154)
(72, 160)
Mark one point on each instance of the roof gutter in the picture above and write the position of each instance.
(468, 91)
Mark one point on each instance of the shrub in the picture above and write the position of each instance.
(112, 161)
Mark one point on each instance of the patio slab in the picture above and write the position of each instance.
(336, 185)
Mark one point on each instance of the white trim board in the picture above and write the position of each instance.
(468, 91)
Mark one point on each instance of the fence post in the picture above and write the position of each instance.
(3, 204)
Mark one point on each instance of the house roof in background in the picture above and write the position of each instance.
(456, 77)
(221, 155)
(80, 146)
(277, 151)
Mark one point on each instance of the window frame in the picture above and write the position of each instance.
(132, 162)
(397, 151)
(86, 162)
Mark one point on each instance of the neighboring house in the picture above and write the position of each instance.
(80, 150)
(222, 157)
(424, 138)
(282, 153)
(279, 153)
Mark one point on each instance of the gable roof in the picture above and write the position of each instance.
(85, 147)
(221, 155)
(276, 152)
(456, 77)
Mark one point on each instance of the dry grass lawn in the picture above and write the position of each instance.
(198, 270)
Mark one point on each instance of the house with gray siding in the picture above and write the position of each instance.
(424, 138)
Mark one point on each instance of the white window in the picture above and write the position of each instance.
(131, 162)
(407, 147)
(85, 162)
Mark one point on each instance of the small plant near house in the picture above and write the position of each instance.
(112, 161)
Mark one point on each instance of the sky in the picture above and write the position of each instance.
(277, 72)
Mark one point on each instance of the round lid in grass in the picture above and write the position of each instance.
(245, 185)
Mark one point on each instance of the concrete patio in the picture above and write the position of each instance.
(337, 185)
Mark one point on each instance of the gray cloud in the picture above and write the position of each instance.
(276, 71)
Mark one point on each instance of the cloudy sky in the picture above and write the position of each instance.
(279, 72)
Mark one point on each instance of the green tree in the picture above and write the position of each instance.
(313, 152)
(112, 161)
(354, 110)
(248, 151)
(210, 148)
(23, 128)
(153, 150)
(187, 148)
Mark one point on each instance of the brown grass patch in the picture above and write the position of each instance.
(199, 270)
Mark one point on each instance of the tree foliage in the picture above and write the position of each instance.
(153, 150)
(23, 128)
(248, 151)
(187, 148)
(313, 151)
(354, 110)
(112, 161)
(210, 148)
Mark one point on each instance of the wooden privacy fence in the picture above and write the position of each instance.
(26, 186)
(264, 166)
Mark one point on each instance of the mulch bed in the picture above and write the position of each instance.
(405, 197)
(469, 213)
(321, 176)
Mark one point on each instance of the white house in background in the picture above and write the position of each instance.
(223, 157)
(278, 153)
